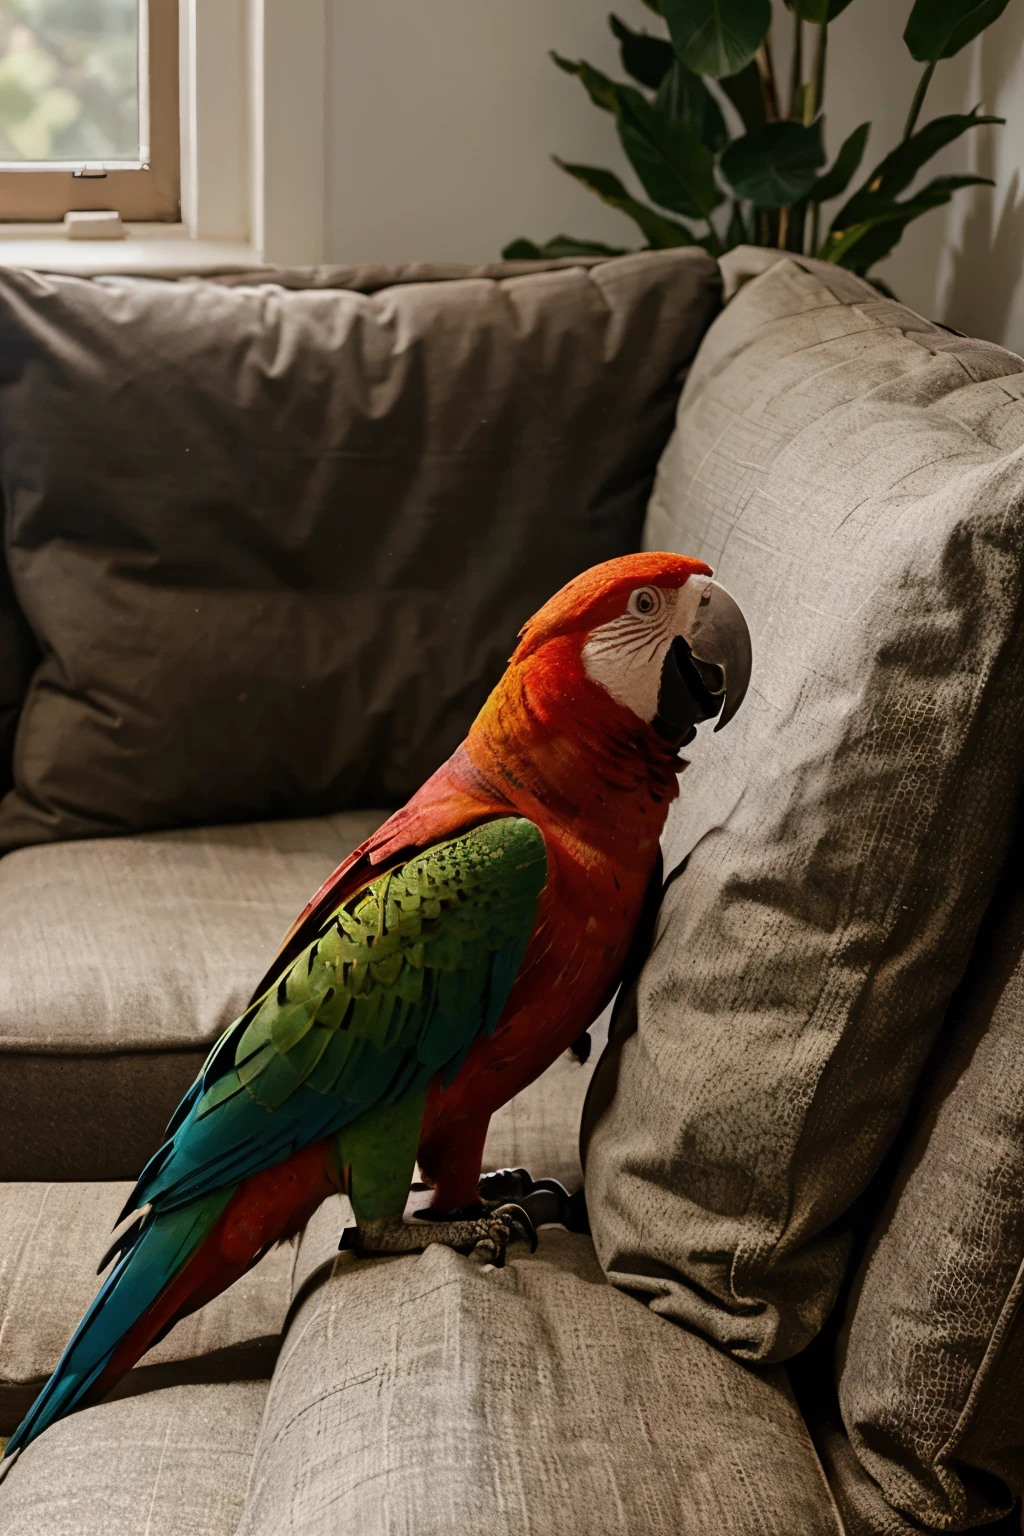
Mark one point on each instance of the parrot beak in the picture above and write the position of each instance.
(707, 667)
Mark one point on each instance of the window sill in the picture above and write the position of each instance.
(148, 249)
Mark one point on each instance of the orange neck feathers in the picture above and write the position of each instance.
(556, 747)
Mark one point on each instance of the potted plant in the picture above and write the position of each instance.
(757, 174)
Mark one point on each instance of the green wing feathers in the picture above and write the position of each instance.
(418, 963)
(395, 987)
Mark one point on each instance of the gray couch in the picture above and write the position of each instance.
(269, 537)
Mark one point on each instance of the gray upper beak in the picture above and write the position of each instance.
(719, 642)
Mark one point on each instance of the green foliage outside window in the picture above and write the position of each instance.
(69, 80)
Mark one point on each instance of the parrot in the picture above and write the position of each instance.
(441, 968)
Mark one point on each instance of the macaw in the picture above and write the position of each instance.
(441, 968)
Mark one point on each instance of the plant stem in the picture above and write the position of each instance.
(713, 240)
(783, 228)
(796, 77)
(766, 71)
(918, 101)
(816, 90)
(813, 98)
(797, 226)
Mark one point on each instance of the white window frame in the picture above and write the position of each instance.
(252, 80)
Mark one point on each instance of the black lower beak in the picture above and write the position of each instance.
(684, 698)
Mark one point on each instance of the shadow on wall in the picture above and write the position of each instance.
(988, 262)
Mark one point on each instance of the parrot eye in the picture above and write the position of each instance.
(645, 601)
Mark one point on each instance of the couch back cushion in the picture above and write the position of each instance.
(855, 476)
(277, 541)
(931, 1357)
(18, 657)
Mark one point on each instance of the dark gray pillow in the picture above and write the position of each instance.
(18, 656)
(278, 541)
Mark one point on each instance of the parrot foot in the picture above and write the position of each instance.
(485, 1238)
(544, 1200)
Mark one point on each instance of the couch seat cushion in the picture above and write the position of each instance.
(171, 1463)
(427, 1395)
(52, 1237)
(124, 959)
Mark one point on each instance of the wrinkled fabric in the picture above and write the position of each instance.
(170, 1463)
(932, 1356)
(426, 1395)
(18, 657)
(278, 542)
(862, 1505)
(855, 478)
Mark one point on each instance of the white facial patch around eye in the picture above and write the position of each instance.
(627, 654)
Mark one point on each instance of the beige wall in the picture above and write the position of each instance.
(442, 116)
(961, 264)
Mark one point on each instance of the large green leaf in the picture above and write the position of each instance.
(744, 91)
(820, 11)
(561, 245)
(717, 37)
(601, 90)
(662, 233)
(677, 170)
(893, 174)
(675, 167)
(860, 245)
(939, 28)
(683, 95)
(648, 59)
(776, 165)
(843, 168)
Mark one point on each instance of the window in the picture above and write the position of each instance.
(89, 108)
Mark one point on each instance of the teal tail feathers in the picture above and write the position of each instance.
(163, 1245)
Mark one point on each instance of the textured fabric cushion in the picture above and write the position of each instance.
(428, 1396)
(170, 1463)
(18, 657)
(863, 1507)
(52, 1236)
(932, 1359)
(278, 542)
(858, 488)
(124, 958)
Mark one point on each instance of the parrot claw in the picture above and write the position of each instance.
(504, 1184)
(519, 1223)
(484, 1237)
(545, 1201)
